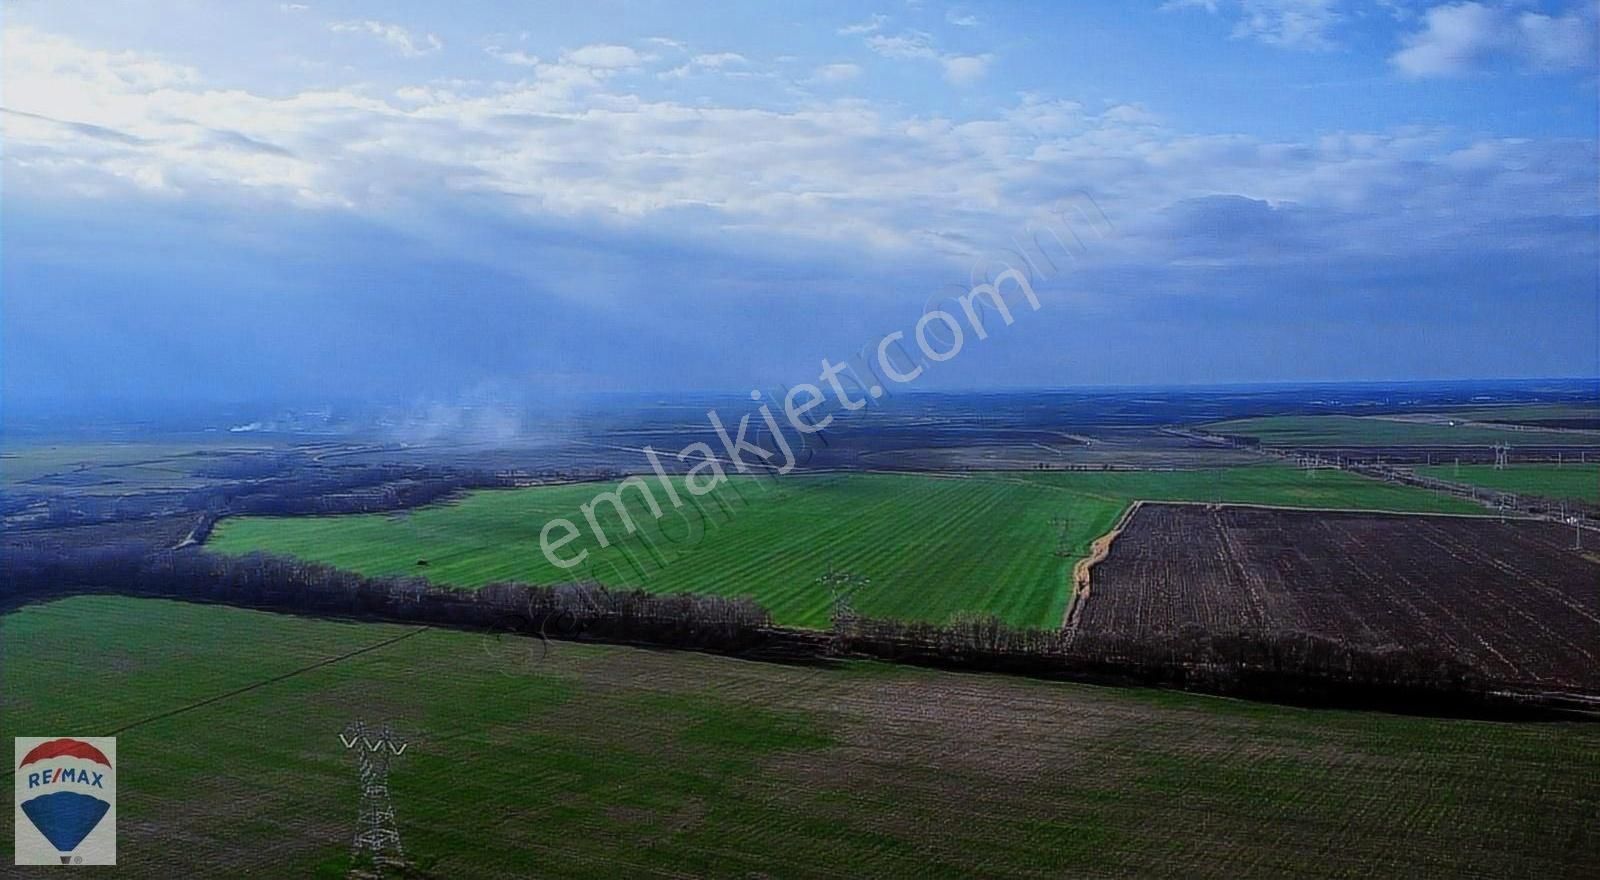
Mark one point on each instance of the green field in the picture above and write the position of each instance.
(1527, 411)
(599, 761)
(931, 546)
(1574, 481)
(1372, 431)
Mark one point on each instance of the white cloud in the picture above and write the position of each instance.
(564, 143)
(1563, 43)
(911, 44)
(604, 56)
(511, 56)
(718, 59)
(86, 121)
(963, 70)
(1130, 114)
(869, 26)
(959, 70)
(292, 7)
(1288, 24)
(425, 95)
(836, 73)
(711, 62)
(1463, 37)
(1453, 40)
(961, 19)
(396, 36)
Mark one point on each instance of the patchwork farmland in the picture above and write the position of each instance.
(1512, 599)
(932, 546)
(1380, 431)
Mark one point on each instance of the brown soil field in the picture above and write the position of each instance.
(1512, 599)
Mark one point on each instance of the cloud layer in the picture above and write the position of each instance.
(1465, 37)
(565, 217)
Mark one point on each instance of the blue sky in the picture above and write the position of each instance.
(403, 200)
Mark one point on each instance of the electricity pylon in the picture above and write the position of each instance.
(840, 585)
(377, 838)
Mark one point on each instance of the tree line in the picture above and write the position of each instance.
(307, 491)
(279, 583)
(1282, 666)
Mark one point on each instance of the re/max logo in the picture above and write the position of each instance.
(66, 774)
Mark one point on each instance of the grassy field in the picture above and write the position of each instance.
(1580, 482)
(931, 545)
(594, 761)
(1371, 431)
(1527, 411)
(114, 468)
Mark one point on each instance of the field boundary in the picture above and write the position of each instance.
(1488, 514)
(1099, 549)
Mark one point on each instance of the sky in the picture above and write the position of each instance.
(409, 201)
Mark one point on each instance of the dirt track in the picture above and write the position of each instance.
(1098, 550)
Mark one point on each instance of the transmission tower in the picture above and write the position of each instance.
(1501, 453)
(840, 585)
(377, 838)
(1504, 501)
(843, 608)
(1312, 464)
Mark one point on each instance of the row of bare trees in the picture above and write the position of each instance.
(1286, 666)
(286, 584)
(306, 490)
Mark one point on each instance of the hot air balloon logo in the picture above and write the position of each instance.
(66, 797)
